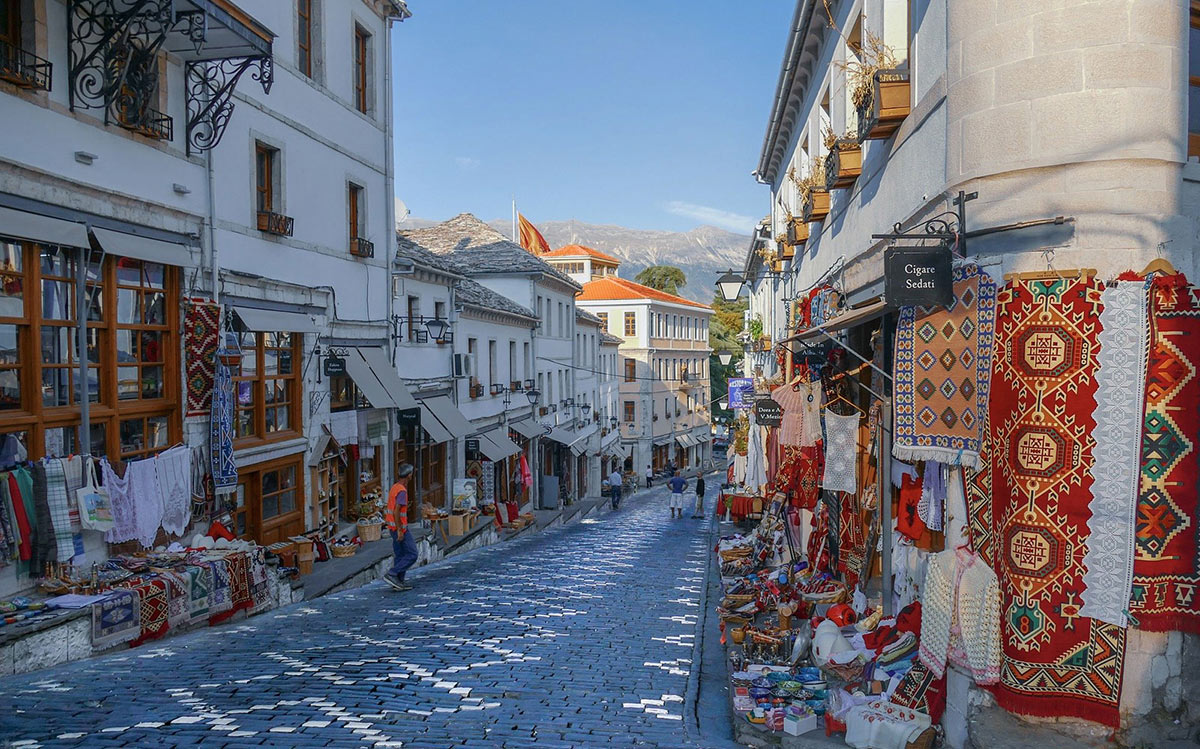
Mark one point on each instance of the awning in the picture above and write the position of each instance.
(142, 248)
(270, 321)
(229, 32)
(562, 435)
(663, 440)
(841, 322)
(527, 429)
(39, 228)
(496, 445)
(683, 441)
(442, 419)
(378, 381)
(323, 443)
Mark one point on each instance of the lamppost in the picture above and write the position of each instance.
(436, 329)
(731, 285)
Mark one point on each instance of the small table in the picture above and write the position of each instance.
(440, 524)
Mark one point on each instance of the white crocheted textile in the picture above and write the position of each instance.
(147, 499)
(173, 469)
(841, 453)
(960, 611)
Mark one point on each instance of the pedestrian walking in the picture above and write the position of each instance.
(615, 479)
(699, 513)
(649, 476)
(404, 548)
(677, 484)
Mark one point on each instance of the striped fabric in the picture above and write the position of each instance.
(60, 508)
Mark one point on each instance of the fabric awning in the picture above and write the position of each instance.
(142, 248)
(442, 410)
(496, 445)
(527, 429)
(663, 440)
(684, 440)
(378, 381)
(39, 228)
(562, 435)
(271, 321)
(845, 320)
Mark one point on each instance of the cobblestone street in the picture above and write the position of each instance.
(577, 636)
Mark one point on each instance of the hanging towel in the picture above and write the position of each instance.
(124, 514)
(147, 499)
(23, 480)
(60, 508)
(174, 471)
(841, 453)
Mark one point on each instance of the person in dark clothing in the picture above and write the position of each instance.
(699, 512)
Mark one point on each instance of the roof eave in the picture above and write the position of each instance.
(801, 23)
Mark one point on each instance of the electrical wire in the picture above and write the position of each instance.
(625, 378)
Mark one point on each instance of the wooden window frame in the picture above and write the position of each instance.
(354, 199)
(630, 411)
(258, 434)
(304, 36)
(12, 34)
(265, 164)
(630, 370)
(277, 527)
(361, 62)
(630, 324)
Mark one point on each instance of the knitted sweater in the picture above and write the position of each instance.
(960, 611)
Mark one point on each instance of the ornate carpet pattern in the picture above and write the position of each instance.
(1166, 566)
(943, 371)
(1120, 382)
(1057, 662)
(220, 444)
(201, 327)
(154, 610)
(799, 474)
(981, 531)
(116, 620)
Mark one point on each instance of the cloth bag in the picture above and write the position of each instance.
(95, 509)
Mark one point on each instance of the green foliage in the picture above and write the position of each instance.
(723, 336)
(666, 278)
(756, 328)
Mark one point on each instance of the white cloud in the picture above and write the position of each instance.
(714, 216)
(466, 162)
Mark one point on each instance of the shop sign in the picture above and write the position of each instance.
(335, 366)
(918, 276)
(741, 392)
(472, 446)
(767, 413)
(409, 417)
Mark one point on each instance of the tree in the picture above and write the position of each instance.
(722, 336)
(666, 278)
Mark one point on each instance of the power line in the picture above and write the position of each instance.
(623, 378)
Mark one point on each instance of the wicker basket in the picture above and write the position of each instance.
(344, 551)
(738, 634)
(734, 600)
(370, 531)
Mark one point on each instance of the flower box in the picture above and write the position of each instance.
(891, 99)
(816, 207)
(843, 165)
(797, 234)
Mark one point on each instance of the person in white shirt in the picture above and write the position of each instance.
(614, 485)
(649, 476)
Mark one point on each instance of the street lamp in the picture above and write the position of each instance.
(613, 422)
(436, 327)
(724, 404)
(731, 285)
(725, 357)
(586, 408)
(533, 394)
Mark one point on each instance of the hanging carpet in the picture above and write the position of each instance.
(1057, 662)
(224, 469)
(201, 328)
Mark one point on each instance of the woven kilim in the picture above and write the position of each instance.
(154, 610)
(240, 595)
(201, 328)
(1166, 563)
(799, 474)
(1057, 663)
(981, 531)
(220, 441)
(943, 369)
(116, 619)
(199, 584)
(921, 690)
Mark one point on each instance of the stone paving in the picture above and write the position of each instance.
(577, 636)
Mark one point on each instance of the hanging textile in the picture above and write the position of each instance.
(956, 510)
(173, 469)
(931, 506)
(960, 616)
(978, 497)
(1057, 663)
(487, 482)
(119, 496)
(942, 373)
(60, 508)
(841, 452)
(801, 403)
(147, 499)
(800, 474)
(756, 460)
(526, 474)
(24, 520)
(1165, 573)
(201, 329)
(1120, 388)
(224, 470)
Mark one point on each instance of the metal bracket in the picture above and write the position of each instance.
(948, 227)
(209, 85)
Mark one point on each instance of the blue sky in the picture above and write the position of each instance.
(643, 113)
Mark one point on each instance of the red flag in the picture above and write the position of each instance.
(531, 238)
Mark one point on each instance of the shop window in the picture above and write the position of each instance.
(630, 323)
(1194, 82)
(143, 437)
(362, 91)
(267, 506)
(267, 387)
(141, 330)
(344, 395)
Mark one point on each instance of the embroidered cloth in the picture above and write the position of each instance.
(800, 474)
(116, 619)
(801, 404)
(841, 452)
(224, 469)
(1166, 577)
(1120, 385)
(147, 499)
(121, 500)
(173, 469)
(942, 373)
(201, 327)
(921, 690)
(1057, 663)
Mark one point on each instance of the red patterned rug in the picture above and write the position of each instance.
(201, 327)
(154, 610)
(1056, 663)
(981, 530)
(239, 587)
(799, 474)
(1166, 564)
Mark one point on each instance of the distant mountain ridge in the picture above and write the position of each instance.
(704, 253)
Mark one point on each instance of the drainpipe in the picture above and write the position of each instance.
(85, 393)
(390, 234)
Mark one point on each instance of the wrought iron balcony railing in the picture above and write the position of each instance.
(24, 68)
(360, 247)
(150, 123)
(275, 223)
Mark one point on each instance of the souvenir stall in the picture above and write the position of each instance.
(935, 497)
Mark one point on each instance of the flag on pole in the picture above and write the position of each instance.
(531, 238)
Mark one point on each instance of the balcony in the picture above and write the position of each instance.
(275, 223)
(475, 391)
(148, 122)
(360, 247)
(23, 68)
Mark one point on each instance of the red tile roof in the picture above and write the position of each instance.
(578, 250)
(613, 287)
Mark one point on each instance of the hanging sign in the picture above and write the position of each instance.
(335, 366)
(741, 392)
(409, 417)
(918, 276)
(767, 413)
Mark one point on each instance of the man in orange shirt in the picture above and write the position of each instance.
(396, 517)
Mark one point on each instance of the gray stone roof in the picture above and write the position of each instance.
(477, 295)
(609, 338)
(582, 314)
(479, 249)
(406, 249)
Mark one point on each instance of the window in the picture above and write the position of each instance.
(512, 362)
(361, 48)
(10, 23)
(630, 411)
(525, 360)
(630, 324)
(414, 312)
(266, 387)
(344, 395)
(491, 363)
(265, 167)
(267, 502)
(355, 211)
(439, 310)
(473, 354)
(304, 36)
(603, 319)
(630, 370)
(1194, 82)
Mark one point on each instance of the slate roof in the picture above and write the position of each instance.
(606, 337)
(582, 314)
(478, 248)
(611, 287)
(478, 295)
(406, 249)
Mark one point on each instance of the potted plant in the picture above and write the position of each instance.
(843, 162)
(879, 89)
(797, 231)
(813, 193)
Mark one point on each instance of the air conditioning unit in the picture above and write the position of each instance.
(463, 365)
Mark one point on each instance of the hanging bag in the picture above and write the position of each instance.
(95, 509)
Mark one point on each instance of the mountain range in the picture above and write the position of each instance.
(704, 253)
